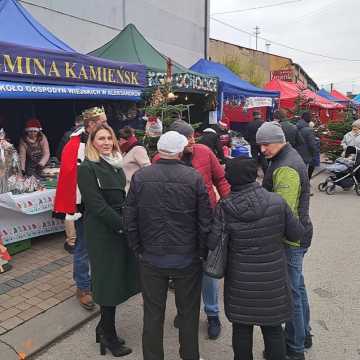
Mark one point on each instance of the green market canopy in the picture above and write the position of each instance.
(131, 46)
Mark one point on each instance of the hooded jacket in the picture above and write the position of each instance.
(292, 134)
(257, 290)
(309, 148)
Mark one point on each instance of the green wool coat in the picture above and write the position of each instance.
(113, 265)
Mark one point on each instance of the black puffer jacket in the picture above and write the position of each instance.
(257, 290)
(168, 210)
(308, 150)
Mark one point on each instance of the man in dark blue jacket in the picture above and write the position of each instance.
(168, 216)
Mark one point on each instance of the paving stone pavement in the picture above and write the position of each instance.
(40, 279)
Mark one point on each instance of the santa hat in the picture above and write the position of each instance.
(223, 124)
(33, 124)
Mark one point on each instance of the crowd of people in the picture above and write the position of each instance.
(140, 225)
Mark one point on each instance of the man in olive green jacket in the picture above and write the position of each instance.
(287, 176)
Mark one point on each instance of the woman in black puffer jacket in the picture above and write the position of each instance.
(257, 291)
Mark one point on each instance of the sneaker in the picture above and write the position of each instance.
(4, 268)
(308, 341)
(85, 299)
(292, 355)
(214, 327)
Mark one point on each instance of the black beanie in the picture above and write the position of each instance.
(241, 171)
(306, 116)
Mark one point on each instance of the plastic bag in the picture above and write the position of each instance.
(154, 127)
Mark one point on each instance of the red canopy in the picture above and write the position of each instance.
(338, 95)
(289, 92)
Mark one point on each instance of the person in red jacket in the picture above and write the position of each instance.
(201, 158)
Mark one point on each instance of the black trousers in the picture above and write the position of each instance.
(311, 169)
(154, 283)
(243, 342)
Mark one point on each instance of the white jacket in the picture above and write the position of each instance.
(350, 139)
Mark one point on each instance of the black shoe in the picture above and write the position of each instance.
(113, 344)
(100, 332)
(265, 354)
(177, 322)
(69, 248)
(292, 355)
(308, 341)
(214, 327)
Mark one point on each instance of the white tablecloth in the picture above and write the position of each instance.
(27, 215)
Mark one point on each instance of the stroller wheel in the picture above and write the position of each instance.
(322, 186)
(357, 189)
(330, 190)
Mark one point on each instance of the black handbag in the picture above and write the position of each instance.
(215, 264)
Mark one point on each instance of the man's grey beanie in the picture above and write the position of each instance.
(182, 127)
(270, 133)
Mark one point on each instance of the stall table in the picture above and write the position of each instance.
(28, 215)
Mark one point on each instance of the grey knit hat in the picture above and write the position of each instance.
(270, 133)
(182, 127)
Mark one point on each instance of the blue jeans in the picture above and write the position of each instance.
(210, 294)
(81, 272)
(299, 326)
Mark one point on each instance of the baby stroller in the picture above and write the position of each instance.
(343, 173)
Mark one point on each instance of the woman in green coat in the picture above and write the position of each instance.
(102, 182)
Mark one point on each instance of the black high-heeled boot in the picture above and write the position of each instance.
(106, 333)
(113, 344)
(100, 331)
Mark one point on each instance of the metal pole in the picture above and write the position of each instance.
(124, 13)
(206, 29)
(257, 33)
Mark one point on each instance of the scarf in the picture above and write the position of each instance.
(115, 160)
(130, 143)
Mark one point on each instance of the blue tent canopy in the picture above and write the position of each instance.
(357, 99)
(325, 94)
(20, 27)
(36, 64)
(231, 84)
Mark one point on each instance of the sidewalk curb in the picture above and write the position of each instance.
(43, 330)
(7, 352)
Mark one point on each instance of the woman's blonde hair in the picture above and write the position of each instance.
(90, 152)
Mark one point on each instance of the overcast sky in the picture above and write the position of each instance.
(327, 27)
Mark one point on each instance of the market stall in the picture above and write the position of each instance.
(42, 77)
(237, 98)
(339, 96)
(293, 95)
(189, 87)
(28, 215)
